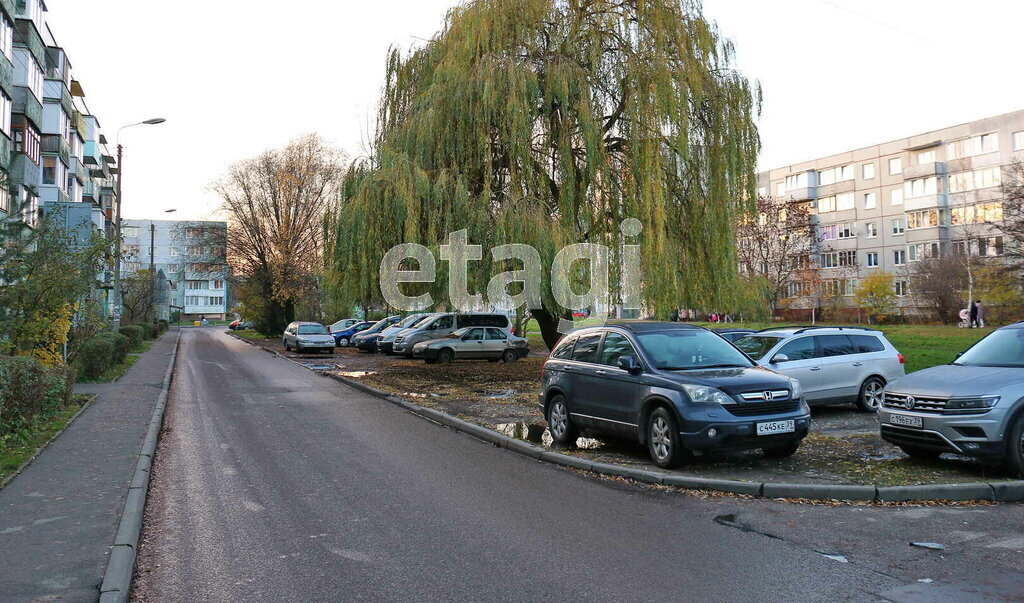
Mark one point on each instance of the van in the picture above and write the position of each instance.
(440, 325)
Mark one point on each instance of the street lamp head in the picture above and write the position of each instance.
(170, 211)
(154, 121)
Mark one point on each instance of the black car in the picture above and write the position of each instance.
(676, 388)
(734, 334)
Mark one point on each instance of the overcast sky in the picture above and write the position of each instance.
(235, 77)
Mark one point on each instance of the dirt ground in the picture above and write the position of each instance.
(843, 448)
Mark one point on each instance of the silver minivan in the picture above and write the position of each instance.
(835, 365)
(440, 325)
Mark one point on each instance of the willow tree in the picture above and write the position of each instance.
(549, 122)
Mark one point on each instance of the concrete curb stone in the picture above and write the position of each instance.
(999, 491)
(117, 578)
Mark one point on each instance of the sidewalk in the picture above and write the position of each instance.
(58, 518)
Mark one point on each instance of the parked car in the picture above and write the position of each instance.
(386, 338)
(473, 343)
(973, 406)
(835, 365)
(343, 324)
(308, 336)
(240, 325)
(674, 387)
(733, 334)
(440, 325)
(366, 340)
(343, 337)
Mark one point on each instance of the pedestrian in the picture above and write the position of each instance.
(974, 314)
(980, 311)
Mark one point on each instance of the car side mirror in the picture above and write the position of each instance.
(780, 358)
(629, 364)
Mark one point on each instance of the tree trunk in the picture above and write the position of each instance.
(548, 323)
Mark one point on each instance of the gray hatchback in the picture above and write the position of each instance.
(973, 406)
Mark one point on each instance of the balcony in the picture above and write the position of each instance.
(807, 193)
(932, 168)
(93, 154)
(55, 144)
(925, 202)
(27, 104)
(827, 190)
(89, 192)
(24, 171)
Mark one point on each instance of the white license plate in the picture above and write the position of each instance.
(906, 420)
(774, 427)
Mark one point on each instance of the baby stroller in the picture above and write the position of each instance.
(965, 319)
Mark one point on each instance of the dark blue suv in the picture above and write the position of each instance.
(676, 388)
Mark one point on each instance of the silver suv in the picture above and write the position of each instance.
(834, 365)
(974, 406)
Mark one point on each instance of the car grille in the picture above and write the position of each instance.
(913, 437)
(920, 404)
(776, 394)
(763, 408)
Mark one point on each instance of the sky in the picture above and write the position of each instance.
(236, 77)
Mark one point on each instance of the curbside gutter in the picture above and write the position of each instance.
(1010, 491)
(117, 579)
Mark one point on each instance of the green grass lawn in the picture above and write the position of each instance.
(250, 335)
(12, 456)
(921, 345)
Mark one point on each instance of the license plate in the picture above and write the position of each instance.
(906, 420)
(774, 427)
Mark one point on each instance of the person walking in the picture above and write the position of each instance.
(974, 314)
(979, 311)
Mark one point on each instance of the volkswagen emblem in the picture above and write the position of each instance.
(768, 396)
(909, 402)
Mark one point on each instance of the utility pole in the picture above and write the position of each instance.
(117, 241)
(152, 270)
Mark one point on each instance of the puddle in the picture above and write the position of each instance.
(538, 434)
(315, 366)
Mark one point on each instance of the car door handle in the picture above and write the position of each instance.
(815, 368)
(601, 373)
(858, 364)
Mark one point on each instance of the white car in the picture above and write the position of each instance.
(308, 336)
(834, 365)
(343, 324)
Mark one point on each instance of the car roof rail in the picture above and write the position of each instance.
(844, 328)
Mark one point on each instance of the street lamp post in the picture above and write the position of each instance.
(117, 218)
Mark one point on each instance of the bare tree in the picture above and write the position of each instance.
(772, 239)
(136, 296)
(275, 205)
(936, 284)
(1013, 214)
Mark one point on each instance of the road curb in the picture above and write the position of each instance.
(1010, 491)
(117, 578)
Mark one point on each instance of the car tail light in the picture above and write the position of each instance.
(900, 356)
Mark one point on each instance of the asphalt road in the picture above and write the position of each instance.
(275, 484)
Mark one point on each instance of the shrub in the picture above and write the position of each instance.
(151, 330)
(28, 390)
(135, 335)
(121, 345)
(163, 324)
(97, 356)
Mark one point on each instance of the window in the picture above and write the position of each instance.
(192, 232)
(899, 257)
(563, 351)
(847, 230)
(49, 170)
(990, 246)
(898, 226)
(851, 287)
(1018, 141)
(844, 201)
(218, 284)
(762, 191)
(7, 38)
(895, 166)
(195, 300)
(615, 346)
(921, 187)
(826, 205)
(836, 174)
(173, 285)
(872, 259)
(967, 181)
(800, 349)
(473, 335)
(130, 232)
(830, 259)
(194, 285)
(5, 113)
(795, 181)
(829, 232)
(26, 140)
(896, 196)
(866, 344)
(976, 145)
(172, 268)
(871, 230)
(586, 348)
(926, 218)
(443, 322)
(172, 251)
(216, 301)
(870, 201)
(848, 258)
(132, 267)
(868, 171)
(926, 157)
(496, 334)
(835, 345)
(900, 287)
(981, 212)
(5, 200)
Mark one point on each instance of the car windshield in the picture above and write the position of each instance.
(685, 349)
(422, 322)
(312, 330)
(1004, 348)
(756, 346)
(408, 321)
(461, 332)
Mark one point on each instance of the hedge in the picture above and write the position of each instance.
(135, 335)
(98, 354)
(121, 345)
(152, 330)
(28, 390)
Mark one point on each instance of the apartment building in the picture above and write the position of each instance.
(888, 206)
(57, 162)
(190, 255)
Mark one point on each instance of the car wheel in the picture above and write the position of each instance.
(343, 342)
(870, 397)
(509, 356)
(287, 347)
(445, 356)
(782, 452)
(663, 442)
(1015, 448)
(921, 454)
(563, 430)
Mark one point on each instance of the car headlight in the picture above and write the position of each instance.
(975, 403)
(705, 394)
